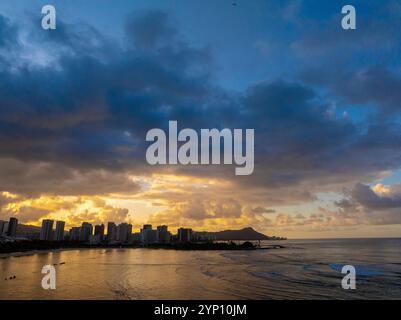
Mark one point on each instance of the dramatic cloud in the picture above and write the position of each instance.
(75, 107)
(72, 209)
(379, 198)
(35, 178)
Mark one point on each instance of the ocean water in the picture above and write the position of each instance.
(304, 269)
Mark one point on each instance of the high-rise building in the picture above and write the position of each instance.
(184, 235)
(99, 231)
(129, 232)
(124, 231)
(59, 234)
(163, 235)
(46, 233)
(203, 236)
(86, 231)
(12, 227)
(111, 232)
(5, 228)
(136, 237)
(148, 235)
(94, 239)
(2, 222)
(74, 233)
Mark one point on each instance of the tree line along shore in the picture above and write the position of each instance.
(37, 245)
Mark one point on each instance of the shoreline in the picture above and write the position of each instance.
(17, 254)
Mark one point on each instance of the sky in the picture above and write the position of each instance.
(325, 104)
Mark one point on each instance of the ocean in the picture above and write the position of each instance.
(304, 269)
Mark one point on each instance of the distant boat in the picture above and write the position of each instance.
(62, 262)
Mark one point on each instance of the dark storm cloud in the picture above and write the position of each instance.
(84, 105)
(375, 85)
(299, 140)
(365, 196)
(33, 178)
(78, 111)
(150, 29)
(362, 204)
(90, 108)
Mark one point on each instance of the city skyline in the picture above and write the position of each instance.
(115, 233)
(120, 233)
(324, 103)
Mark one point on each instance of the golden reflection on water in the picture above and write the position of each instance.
(112, 274)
